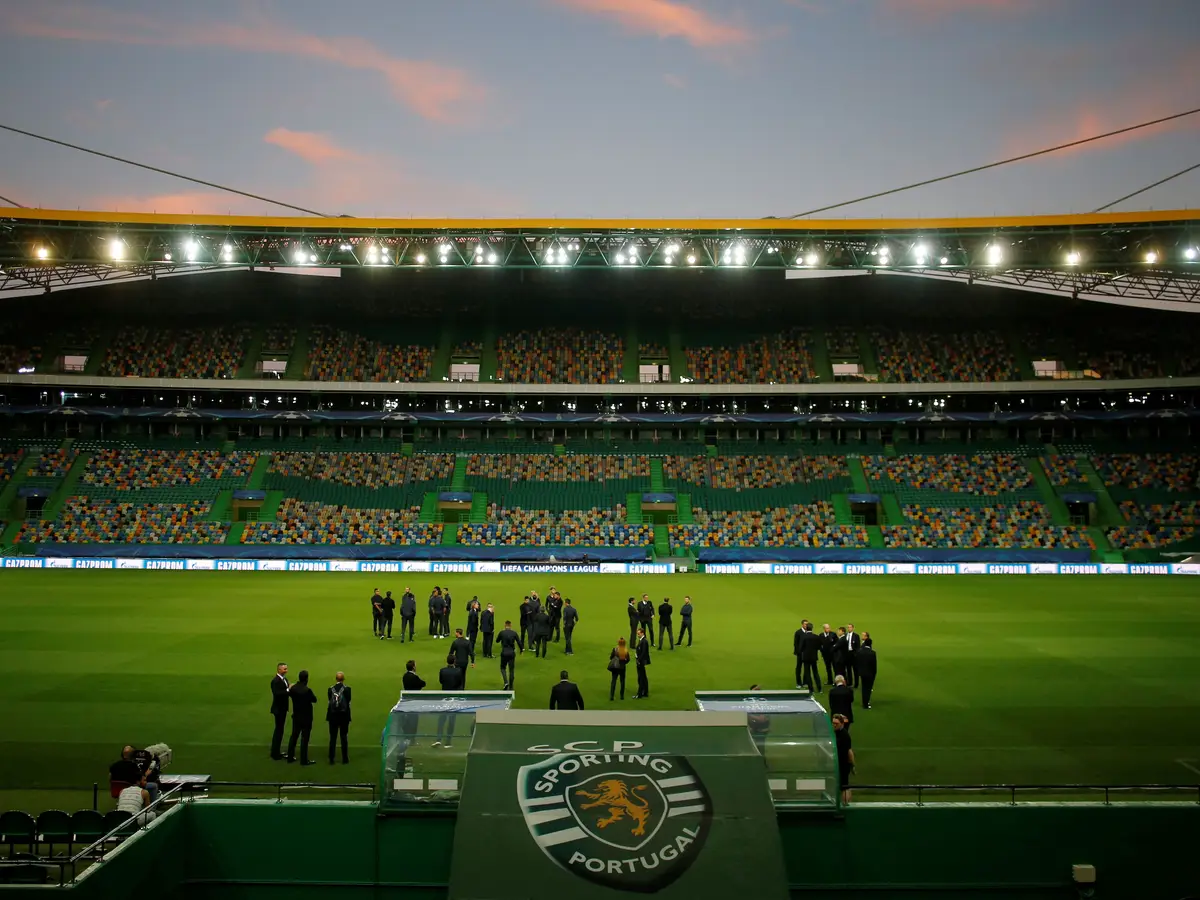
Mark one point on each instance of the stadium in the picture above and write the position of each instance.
(220, 435)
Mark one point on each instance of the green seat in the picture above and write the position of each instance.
(88, 826)
(54, 827)
(114, 819)
(17, 827)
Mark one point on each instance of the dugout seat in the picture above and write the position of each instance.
(17, 827)
(54, 827)
(88, 826)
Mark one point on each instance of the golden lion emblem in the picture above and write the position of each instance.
(622, 801)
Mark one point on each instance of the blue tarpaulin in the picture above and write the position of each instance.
(1080, 497)
(250, 495)
(863, 498)
(658, 498)
(454, 497)
(26, 493)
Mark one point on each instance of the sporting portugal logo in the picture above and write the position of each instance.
(628, 822)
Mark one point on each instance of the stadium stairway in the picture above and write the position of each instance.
(249, 366)
(236, 531)
(1110, 513)
(489, 359)
(1058, 509)
(458, 481)
(866, 352)
(858, 478)
(683, 509)
(657, 482)
(662, 541)
(8, 497)
(259, 473)
(633, 508)
(270, 507)
(893, 513)
(439, 369)
(66, 488)
(1021, 354)
(450, 534)
(406, 449)
(97, 353)
(841, 509)
(629, 366)
(820, 357)
(676, 355)
(220, 510)
(297, 363)
(479, 505)
(429, 508)
(1104, 546)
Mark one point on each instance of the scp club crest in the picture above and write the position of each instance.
(624, 821)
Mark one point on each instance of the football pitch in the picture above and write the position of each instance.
(982, 680)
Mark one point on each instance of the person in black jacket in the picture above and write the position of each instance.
(540, 629)
(839, 653)
(303, 701)
(473, 625)
(487, 624)
(554, 606)
(665, 611)
(852, 643)
(408, 614)
(529, 608)
(387, 608)
(829, 641)
(447, 608)
(565, 694)
(646, 616)
(509, 642)
(810, 651)
(435, 611)
(461, 653)
(618, 660)
(279, 708)
(685, 621)
(643, 660)
(451, 679)
(412, 681)
(376, 613)
(841, 699)
(337, 714)
(570, 616)
(634, 619)
(867, 666)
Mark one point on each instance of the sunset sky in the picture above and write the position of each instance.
(598, 107)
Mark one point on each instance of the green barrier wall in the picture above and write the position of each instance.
(264, 850)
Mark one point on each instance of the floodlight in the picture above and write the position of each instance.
(669, 260)
(479, 257)
(1189, 253)
(562, 256)
(812, 259)
(167, 257)
(42, 253)
(345, 248)
(116, 249)
(920, 251)
(691, 259)
(312, 257)
(443, 257)
(492, 258)
(620, 259)
(299, 257)
(227, 249)
(727, 257)
(739, 254)
(228, 255)
(420, 259)
(633, 254)
(883, 254)
(920, 260)
(446, 248)
(945, 260)
(550, 255)
(995, 254)
(770, 249)
(1152, 257)
(190, 246)
(672, 249)
(1073, 258)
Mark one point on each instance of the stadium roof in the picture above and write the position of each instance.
(1137, 258)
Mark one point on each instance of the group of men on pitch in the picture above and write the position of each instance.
(849, 658)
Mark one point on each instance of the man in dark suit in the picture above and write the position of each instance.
(451, 679)
(665, 626)
(853, 642)
(554, 606)
(829, 641)
(376, 613)
(810, 652)
(447, 608)
(570, 616)
(527, 611)
(473, 625)
(643, 659)
(685, 621)
(487, 624)
(509, 642)
(337, 714)
(841, 699)
(798, 652)
(646, 616)
(634, 621)
(303, 702)
(408, 614)
(387, 610)
(279, 708)
(412, 681)
(540, 628)
(867, 666)
(565, 694)
(461, 653)
(436, 602)
(839, 653)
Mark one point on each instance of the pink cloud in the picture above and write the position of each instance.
(201, 203)
(310, 146)
(435, 91)
(937, 9)
(666, 19)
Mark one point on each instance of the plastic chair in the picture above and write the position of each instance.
(17, 827)
(54, 826)
(113, 819)
(88, 826)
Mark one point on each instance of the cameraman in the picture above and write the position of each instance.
(148, 765)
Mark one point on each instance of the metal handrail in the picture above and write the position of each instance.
(1014, 789)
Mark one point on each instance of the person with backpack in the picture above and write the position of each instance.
(337, 715)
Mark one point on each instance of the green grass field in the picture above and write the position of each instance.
(981, 680)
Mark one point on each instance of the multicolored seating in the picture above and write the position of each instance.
(743, 472)
(1021, 525)
(1148, 537)
(783, 358)
(905, 357)
(594, 527)
(17, 354)
(306, 522)
(652, 351)
(129, 469)
(813, 525)
(560, 356)
(545, 467)
(85, 520)
(842, 344)
(363, 470)
(980, 473)
(336, 355)
(1175, 472)
(279, 340)
(9, 460)
(177, 352)
(1177, 512)
(51, 464)
(467, 350)
(1063, 471)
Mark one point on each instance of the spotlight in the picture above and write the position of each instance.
(1152, 257)
(167, 257)
(550, 256)
(299, 257)
(227, 249)
(727, 257)
(345, 248)
(562, 256)
(42, 253)
(673, 250)
(920, 260)
(739, 254)
(633, 254)
(420, 259)
(312, 257)
(812, 259)
(691, 259)
(995, 254)
(443, 257)
(620, 259)
(479, 257)
(1189, 253)
(446, 248)
(116, 249)
(492, 258)
(669, 260)
(228, 256)
(945, 260)
(1073, 258)
(920, 251)
(884, 253)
